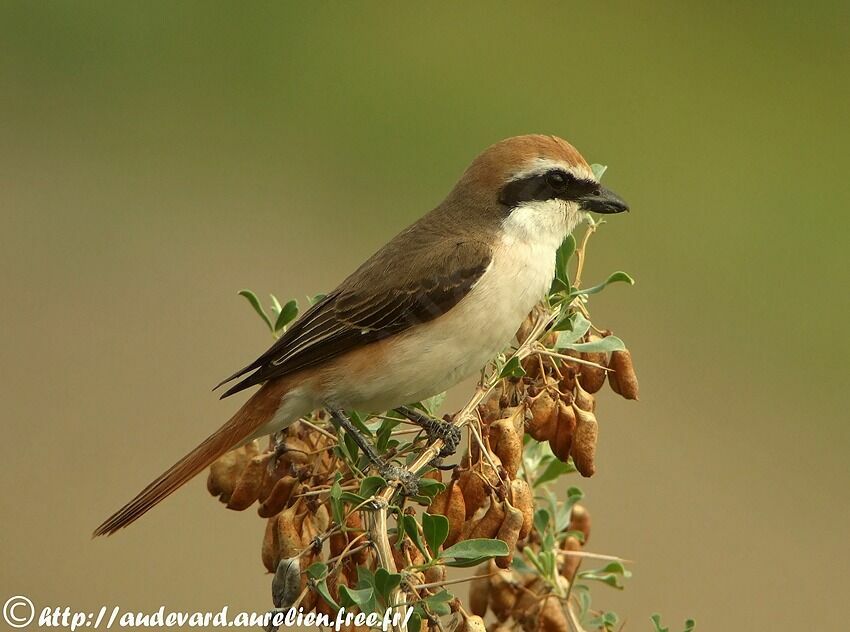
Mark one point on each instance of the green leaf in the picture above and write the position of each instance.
(603, 345)
(465, 563)
(512, 368)
(386, 582)
(275, 305)
(439, 604)
(370, 485)
(317, 570)
(414, 624)
(554, 470)
(542, 520)
(562, 261)
(337, 508)
(578, 327)
(354, 499)
(432, 404)
(255, 303)
(429, 488)
(477, 548)
(598, 170)
(616, 277)
(287, 314)
(690, 624)
(610, 574)
(436, 530)
(355, 597)
(411, 528)
(322, 589)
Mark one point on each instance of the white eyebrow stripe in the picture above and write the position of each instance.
(539, 166)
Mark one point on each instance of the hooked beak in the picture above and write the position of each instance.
(603, 201)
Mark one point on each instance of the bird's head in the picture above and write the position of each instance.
(535, 183)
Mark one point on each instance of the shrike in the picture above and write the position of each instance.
(427, 310)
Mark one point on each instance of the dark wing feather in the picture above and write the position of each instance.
(375, 302)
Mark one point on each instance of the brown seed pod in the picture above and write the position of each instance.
(248, 486)
(527, 602)
(592, 378)
(584, 442)
(472, 623)
(562, 442)
(271, 547)
(580, 521)
(523, 499)
(506, 443)
(434, 574)
(544, 416)
(474, 483)
(226, 470)
(479, 590)
(509, 534)
(503, 593)
(279, 496)
(624, 380)
(552, 616)
(584, 400)
(571, 562)
(451, 504)
(289, 531)
(490, 523)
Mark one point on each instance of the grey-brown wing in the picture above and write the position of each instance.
(377, 301)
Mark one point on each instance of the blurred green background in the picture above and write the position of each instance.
(157, 157)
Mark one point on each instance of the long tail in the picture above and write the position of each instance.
(256, 412)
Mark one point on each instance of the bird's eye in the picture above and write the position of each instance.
(557, 180)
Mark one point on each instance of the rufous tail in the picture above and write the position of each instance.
(256, 412)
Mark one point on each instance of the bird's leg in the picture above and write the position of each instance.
(434, 428)
(389, 471)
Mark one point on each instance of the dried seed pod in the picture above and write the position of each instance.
(580, 521)
(552, 617)
(226, 470)
(503, 593)
(288, 532)
(523, 499)
(471, 523)
(479, 590)
(490, 523)
(509, 534)
(506, 443)
(279, 496)
(624, 380)
(527, 602)
(434, 574)
(477, 483)
(584, 400)
(584, 442)
(592, 378)
(544, 416)
(451, 504)
(286, 583)
(271, 547)
(473, 623)
(571, 562)
(562, 442)
(247, 488)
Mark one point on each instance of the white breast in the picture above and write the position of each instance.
(437, 355)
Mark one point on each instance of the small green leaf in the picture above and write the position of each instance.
(598, 170)
(512, 368)
(565, 251)
(603, 345)
(429, 488)
(354, 499)
(411, 528)
(386, 582)
(255, 303)
(554, 470)
(322, 589)
(439, 604)
(477, 548)
(436, 530)
(337, 508)
(286, 315)
(616, 277)
(542, 520)
(355, 597)
(370, 485)
(432, 404)
(317, 570)
(578, 327)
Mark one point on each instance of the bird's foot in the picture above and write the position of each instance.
(441, 429)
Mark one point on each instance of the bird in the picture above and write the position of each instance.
(427, 310)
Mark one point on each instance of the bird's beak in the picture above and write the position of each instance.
(603, 201)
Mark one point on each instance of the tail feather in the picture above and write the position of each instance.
(257, 411)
